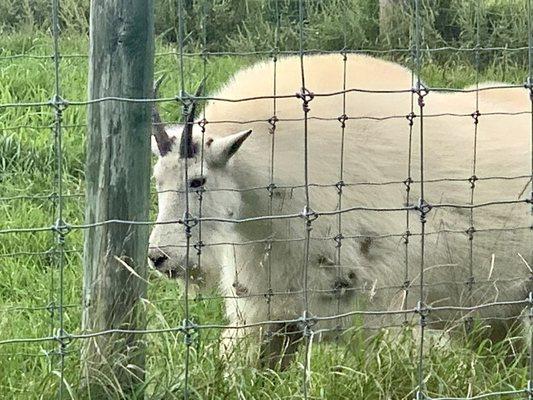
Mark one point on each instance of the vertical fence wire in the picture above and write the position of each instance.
(59, 226)
(422, 205)
(306, 96)
(340, 184)
(52, 302)
(199, 244)
(473, 178)
(529, 85)
(272, 185)
(202, 124)
(187, 220)
(409, 179)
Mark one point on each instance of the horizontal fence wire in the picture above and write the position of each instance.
(283, 52)
(287, 240)
(271, 240)
(53, 196)
(314, 318)
(373, 289)
(317, 118)
(316, 214)
(186, 99)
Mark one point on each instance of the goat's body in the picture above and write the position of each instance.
(372, 265)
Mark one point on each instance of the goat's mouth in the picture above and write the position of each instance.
(179, 272)
(174, 269)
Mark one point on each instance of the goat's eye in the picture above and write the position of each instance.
(195, 183)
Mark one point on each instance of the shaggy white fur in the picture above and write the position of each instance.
(371, 270)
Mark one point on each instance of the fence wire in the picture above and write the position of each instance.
(279, 52)
(59, 342)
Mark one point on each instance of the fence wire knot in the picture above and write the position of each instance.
(344, 54)
(59, 103)
(268, 295)
(423, 207)
(272, 121)
(61, 228)
(189, 221)
(475, 115)
(198, 247)
(305, 324)
(342, 119)
(53, 197)
(309, 214)
(185, 100)
(422, 310)
(270, 188)
(274, 54)
(470, 232)
(306, 96)
(202, 123)
(472, 181)
(63, 338)
(51, 308)
(189, 328)
(422, 92)
(199, 192)
(338, 240)
(411, 117)
(406, 236)
(339, 185)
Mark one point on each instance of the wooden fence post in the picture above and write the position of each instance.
(118, 188)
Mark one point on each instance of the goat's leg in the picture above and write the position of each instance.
(280, 345)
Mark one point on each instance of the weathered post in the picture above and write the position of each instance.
(118, 177)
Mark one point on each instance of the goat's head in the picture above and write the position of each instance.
(189, 165)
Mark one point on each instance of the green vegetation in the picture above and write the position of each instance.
(29, 284)
(245, 25)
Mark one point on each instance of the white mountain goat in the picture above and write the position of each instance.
(361, 262)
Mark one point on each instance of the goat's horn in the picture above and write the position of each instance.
(164, 143)
(187, 148)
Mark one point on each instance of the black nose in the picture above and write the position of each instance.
(157, 257)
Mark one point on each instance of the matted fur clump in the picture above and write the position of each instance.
(361, 263)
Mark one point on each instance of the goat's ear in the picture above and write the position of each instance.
(155, 147)
(221, 149)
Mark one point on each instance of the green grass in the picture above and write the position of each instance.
(380, 368)
(251, 24)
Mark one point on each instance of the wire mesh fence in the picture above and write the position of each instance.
(413, 291)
